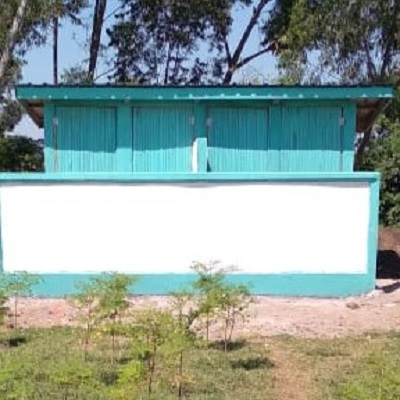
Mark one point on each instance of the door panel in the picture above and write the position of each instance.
(277, 139)
(85, 140)
(311, 139)
(162, 139)
(238, 140)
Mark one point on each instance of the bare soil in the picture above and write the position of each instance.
(292, 380)
(269, 316)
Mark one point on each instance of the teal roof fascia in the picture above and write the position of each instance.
(137, 93)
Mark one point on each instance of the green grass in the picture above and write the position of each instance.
(365, 367)
(48, 364)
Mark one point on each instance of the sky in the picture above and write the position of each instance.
(72, 52)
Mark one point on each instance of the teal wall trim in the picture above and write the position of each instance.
(179, 93)
(373, 230)
(124, 138)
(321, 285)
(318, 177)
(49, 113)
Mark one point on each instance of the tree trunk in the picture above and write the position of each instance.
(16, 311)
(98, 20)
(12, 38)
(55, 50)
(234, 59)
(180, 384)
(113, 340)
(361, 148)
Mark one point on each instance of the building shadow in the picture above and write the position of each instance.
(388, 267)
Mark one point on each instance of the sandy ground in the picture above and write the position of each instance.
(303, 317)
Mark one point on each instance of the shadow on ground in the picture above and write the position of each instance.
(388, 262)
(249, 364)
(231, 346)
(388, 265)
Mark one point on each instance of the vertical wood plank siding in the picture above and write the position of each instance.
(310, 139)
(238, 140)
(162, 139)
(284, 139)
(86, 139)
(268, 137)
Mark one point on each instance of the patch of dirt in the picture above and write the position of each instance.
(291, 381)
(269, 316)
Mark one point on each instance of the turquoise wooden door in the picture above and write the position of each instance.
(238, 140)
(275, 139)
(85, 140)
(311, 139)
(162, 139)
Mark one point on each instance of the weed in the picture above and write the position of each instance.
(214, 299)
(18, 284)
(106, 300)
(86, 301)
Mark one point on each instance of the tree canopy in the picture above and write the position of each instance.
(342, 41)
(176, 41)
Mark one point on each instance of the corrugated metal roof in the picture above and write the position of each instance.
(117, 85)
(124, 92)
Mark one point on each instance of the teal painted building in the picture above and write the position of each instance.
(211, 146)
(231, 129)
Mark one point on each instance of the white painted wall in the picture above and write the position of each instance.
(154, 228)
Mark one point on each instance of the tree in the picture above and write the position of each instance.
(356, 42)
(63, 9)
(159, 41)
(155, 40)
(86, 302)
(55, 50)
(234, 60)
(98, 21)
(75, 75)
(20, 153)
(18, 284)
(24, 24)
(12, 16)
(383, 155)
(10, 36)
(352, 42)
(10, 115)
(112, 290)
(86, 72)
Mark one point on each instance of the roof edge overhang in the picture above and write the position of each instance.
(370, 99)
